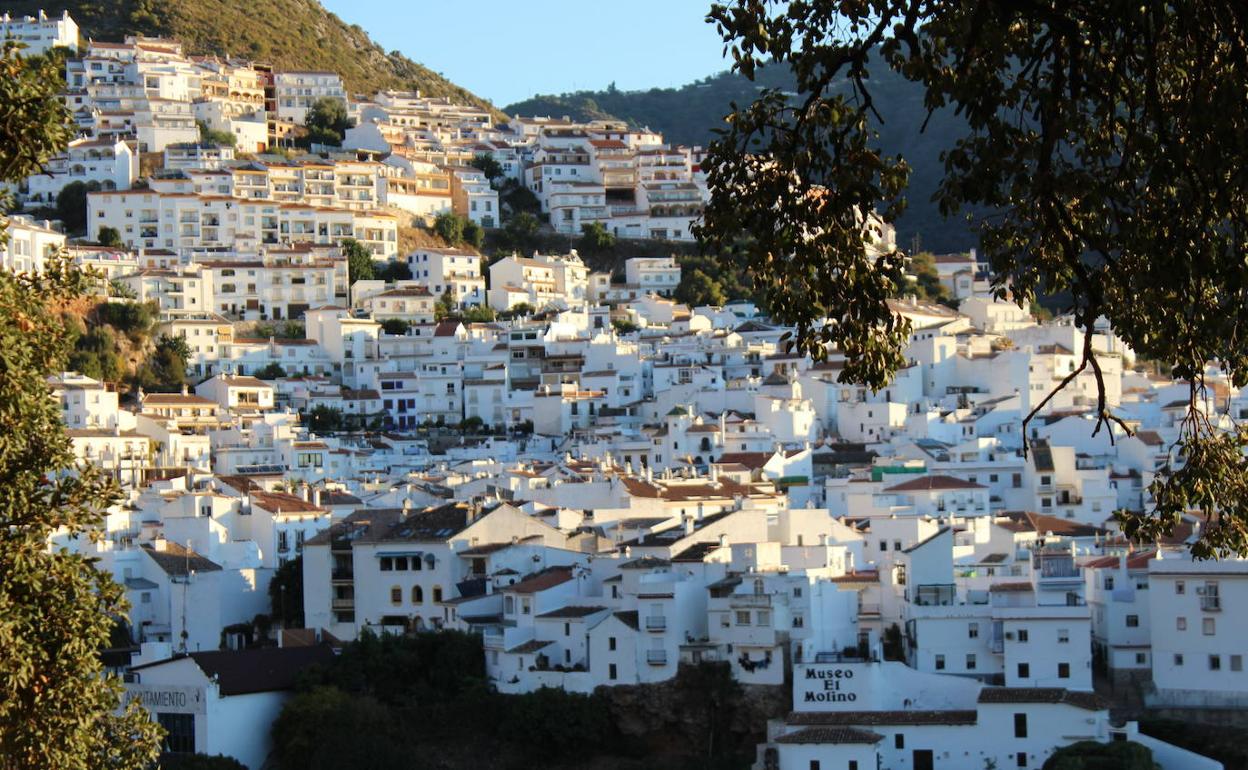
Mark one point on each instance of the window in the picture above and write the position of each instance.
(400, 564)
(1020, 725)
(899, 741)
(611, 643)
(814, 764)
(1178, 659)
(1180, 623)
(1021, 759)
(896, 545)
(1109, 582)
(798, 621)
(1022, 634)
(1180, 587)
(1215, 662)
(1133, 621)
(437, 594)
(1207, 627)
(180, 733)
(1063, 671)
(1024, 670)
(526, 608)
(396, 595)
(970, 661)
(883, 545)
(611, 672)
(1063, 636)
(1141, 659)
(418, 595)
(972, 631)
(509, 605)
(1237, 662)
(764, 618)
(940, 662)
(743, 617)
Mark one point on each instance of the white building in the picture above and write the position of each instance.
(296, 92)
(40, 34)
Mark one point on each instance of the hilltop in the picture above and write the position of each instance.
(690, 114)
(288, 34)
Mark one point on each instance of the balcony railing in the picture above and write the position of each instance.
(656, 657)
(1211, 603)
(656, 623)
(342, 604)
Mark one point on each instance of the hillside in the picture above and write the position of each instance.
(689, 114)
(291, 34)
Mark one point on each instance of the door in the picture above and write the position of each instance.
(923, 760)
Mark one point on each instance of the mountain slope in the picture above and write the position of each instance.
(290, 34)
(689, 115)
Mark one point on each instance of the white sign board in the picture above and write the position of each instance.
(167, 698)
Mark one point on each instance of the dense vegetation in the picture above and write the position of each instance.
(424, 701)
(690, 114)
(289, 34)
(1091, 755)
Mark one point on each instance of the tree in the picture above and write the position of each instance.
(326, 121)
(165, 368)
(271, 371)
(394, 271)
(522, 230)
(286, 593)
(517, 198)
(60, 708)
(450, 227)
(624, 326)
(1091, 130)
(707, 694)
(325, 419)
(395, 326)
(71, 205)
(1091, 755)
(697, 288)
(595, 238)
(200, 762)
(474, 234)
(109, 237)
(478, 314)
(926, 284)
(445, 307)
(360, 265)
(487, 165)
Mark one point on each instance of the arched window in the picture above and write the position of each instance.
(396, 595)
(418, 595)
(437, 594)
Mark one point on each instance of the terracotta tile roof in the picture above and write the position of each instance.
(1015, 587)
(831, 734)
(572, 612)
(889, 718)
(933, 483)
(529, 647)
(541, 581)
(178, 560)
(1137, 560)
(280, 502)
(629, 618)
(263, 669)
(1084, 700)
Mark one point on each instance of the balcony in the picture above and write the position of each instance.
(342, 604)
(656, 623)
(342, 574)
(1210, 604)
(656, 657)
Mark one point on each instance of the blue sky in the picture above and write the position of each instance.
(509, 50)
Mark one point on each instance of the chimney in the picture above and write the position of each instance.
(185, 390)
(407, 509)
(688, 524)
(160, 544)
(316, 497)
(723, 540)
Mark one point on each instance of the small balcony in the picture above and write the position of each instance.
(656, 623)
(656, 657)
(1210, 604)
(342, 604)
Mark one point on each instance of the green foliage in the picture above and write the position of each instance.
(34, 123)
(474, 234)
(472, 424)
(478, 314)
(926, 284)
(707, 695)
(1091, 755)
(286, 330)
(213, 137)
(390, 698)
(326, 121)
(58, 708)
(133, 319)
(1086, 134)
(360, 265)
(71, 206)
(487, 165)
(120, 290)
(165, 368)
(1220, 742)
(110, 237)
(520, 310)
(450, 227)
(200, 762)
(325, 419)
(445, 307)
(624, 326)
(286, 593)
(521, 231)
(595, 238)
(517, 198)
(271, 371)
(393, 270)
(395, 326)
(96, 355)
(697, 288)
